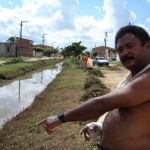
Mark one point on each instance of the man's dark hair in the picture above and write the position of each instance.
(137, 31)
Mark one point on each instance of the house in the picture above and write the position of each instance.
(24, 47)
(41, 53)
(8, 49)
(106, 52)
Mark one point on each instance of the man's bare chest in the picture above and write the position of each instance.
(122, 126)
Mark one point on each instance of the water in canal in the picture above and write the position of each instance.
(19, 94)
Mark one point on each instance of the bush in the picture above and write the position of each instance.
(94, 91)
(90, 81)
(93, 88)
(15, 60)
(96, 72)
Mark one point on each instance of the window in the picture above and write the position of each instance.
(8, 49)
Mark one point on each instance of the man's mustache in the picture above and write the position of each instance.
(126, 58)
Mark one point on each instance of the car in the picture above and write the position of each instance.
(100, 61)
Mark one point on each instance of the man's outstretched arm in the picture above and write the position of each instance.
(135, 93)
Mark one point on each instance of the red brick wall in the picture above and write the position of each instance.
(24, 47)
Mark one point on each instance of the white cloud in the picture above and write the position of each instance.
(10, 2)
(98, 9)
(117, 14)
(145, 27)
(147, 19)
(148, 1)
(133, 15)
(58, 19)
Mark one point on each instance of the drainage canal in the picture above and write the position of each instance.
(19, 94)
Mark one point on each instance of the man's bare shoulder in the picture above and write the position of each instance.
(142, 76)
(134, 93)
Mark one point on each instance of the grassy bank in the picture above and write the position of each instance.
(63, 93)
(16, 67)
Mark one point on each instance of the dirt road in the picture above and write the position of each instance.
(112, 77)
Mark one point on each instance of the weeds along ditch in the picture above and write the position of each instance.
(93, 86)
(18, 67)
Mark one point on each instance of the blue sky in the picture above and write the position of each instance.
(67, 21)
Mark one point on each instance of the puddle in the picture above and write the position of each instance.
(20, 94)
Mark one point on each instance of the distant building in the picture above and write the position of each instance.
(41, 53)
(8, 49)
(24, 47)
(106, 52)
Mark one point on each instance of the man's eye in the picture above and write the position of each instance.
(119, 49)
(129, 46)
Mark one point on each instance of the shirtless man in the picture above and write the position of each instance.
(127, 125)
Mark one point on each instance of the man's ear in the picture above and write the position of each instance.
(148, 45)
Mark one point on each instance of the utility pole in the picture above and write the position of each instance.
(129, 24)
(105, 40)
(21, 24)
(43, 38)
(53, 44)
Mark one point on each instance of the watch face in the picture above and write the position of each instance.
(61, 117)
(60, 113)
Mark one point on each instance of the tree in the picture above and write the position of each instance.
(51, 50)
(86, 53)
(75, 49)
(11, 40)
(95, 53)
(38, 49)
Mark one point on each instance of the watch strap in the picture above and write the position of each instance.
(61, 117)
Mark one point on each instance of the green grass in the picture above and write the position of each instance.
(116, 63)
(11, 67)
(13, 70)
(2, 58)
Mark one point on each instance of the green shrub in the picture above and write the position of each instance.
(92, 80)
(93, 88)
(15, 60)
(96, 72)
(94, 91)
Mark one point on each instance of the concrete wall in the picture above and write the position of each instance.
(7, 49)
(38, 54)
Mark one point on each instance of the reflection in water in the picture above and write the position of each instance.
(18, 95)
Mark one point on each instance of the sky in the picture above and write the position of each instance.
(63, 22)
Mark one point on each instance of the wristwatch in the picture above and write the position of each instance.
(61, 117)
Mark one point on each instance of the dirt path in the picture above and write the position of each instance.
(112, 78)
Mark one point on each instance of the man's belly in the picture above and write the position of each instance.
(124, 130)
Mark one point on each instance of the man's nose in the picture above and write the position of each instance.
(125, 52)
